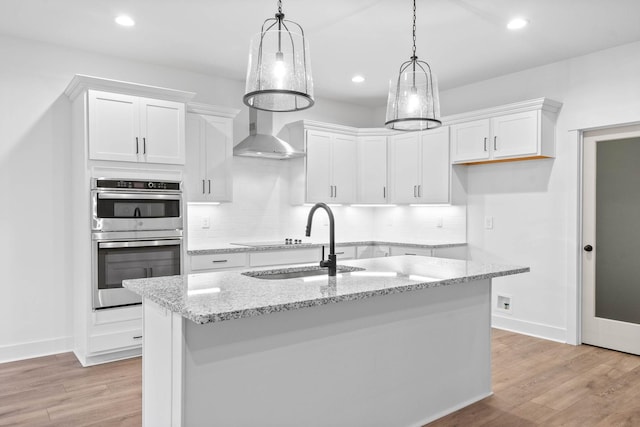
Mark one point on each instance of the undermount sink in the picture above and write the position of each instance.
(296, 272)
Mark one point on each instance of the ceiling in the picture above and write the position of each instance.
(464, 41)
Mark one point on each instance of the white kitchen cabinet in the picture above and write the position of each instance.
(519, 131)
(331, 161)
(130, 128)
(217, 261)
(419, 167)
(372, 169)
(209, 141)
(343, 253)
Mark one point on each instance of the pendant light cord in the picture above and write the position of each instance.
(414, 28)
(280, 6)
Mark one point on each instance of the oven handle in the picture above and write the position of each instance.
(108, 196)
(139, 243)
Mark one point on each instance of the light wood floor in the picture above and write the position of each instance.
(535, 383)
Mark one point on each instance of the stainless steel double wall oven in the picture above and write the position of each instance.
(137, 228)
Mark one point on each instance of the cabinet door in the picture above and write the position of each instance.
(470, 141)
(113, 127)
(404, 167)
(318, 167)
(196, 157)
(516, 135)
(344, 159)
(218, 144)
(162, 131)
(372, 169)
(434, 184)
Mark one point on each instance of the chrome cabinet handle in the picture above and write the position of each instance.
(419, 190)
(209, 186)
(384, 192)
(203, 186)
(137, 337)
(485, 144)
(144, 145)
(494, 143)
(415, 187)
(219, 260)
(340, 253)
(335, 193)
(137, 148)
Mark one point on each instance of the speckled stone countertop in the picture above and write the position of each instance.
(235, 248)
(215, 297)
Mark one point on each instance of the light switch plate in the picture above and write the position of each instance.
(439, 222)
(204, 221)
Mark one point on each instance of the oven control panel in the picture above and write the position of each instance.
(140, 185)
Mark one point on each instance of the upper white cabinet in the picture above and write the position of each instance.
(372, 170)
(135, 129)
(330, 167)
(209, 141)
(419, 167)
(519, 131)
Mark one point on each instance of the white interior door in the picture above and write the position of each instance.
(611, 209)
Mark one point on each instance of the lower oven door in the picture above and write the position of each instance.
(115, 261)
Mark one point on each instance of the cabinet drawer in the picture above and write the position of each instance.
(217, 261)
(456, 252)
(406, 250)
(297, 256)
(115, 341)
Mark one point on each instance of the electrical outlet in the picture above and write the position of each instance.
(204, 222)
(488, 222)
(439, 222)
(504, 304)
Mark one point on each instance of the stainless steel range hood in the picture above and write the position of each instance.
(264, 144)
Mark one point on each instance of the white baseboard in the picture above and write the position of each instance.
(28, 350)
(533, 329)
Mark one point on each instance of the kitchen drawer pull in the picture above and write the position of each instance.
(144, 145)
(414, 191)
(407, 253)
(340, 253)
(335, 193)
(203, 186)
(209, 186)
(485, 144)
(137, 337)
(419, 190)
(384, 192)
(494, 143)
(137, 148)
(219, 260)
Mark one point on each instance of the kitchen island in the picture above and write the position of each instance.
(389, 341)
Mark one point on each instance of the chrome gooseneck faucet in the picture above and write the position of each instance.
(331, 262)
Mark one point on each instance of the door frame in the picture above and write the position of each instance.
(574, 302)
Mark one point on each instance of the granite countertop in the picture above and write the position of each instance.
(215, 297)
(239, 248)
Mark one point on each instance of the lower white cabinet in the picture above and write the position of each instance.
(288, 256)
(217, 261)
(343, 253)
(454, 252)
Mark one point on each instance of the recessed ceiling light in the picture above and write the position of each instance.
(357, 79)
(125, 21)
(517, 23)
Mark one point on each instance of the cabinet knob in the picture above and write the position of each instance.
(588, 248)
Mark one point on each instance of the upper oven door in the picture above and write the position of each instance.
(131, 211)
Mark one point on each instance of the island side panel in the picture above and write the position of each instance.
(162, 363)
(402, 359)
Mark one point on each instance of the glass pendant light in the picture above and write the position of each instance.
(279, 70)
(413, 102)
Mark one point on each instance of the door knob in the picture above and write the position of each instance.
(588, 248)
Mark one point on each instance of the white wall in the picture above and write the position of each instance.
(535, 203)
(35, 307)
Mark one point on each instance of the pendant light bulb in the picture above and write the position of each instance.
(413, 102)
(279, 70)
